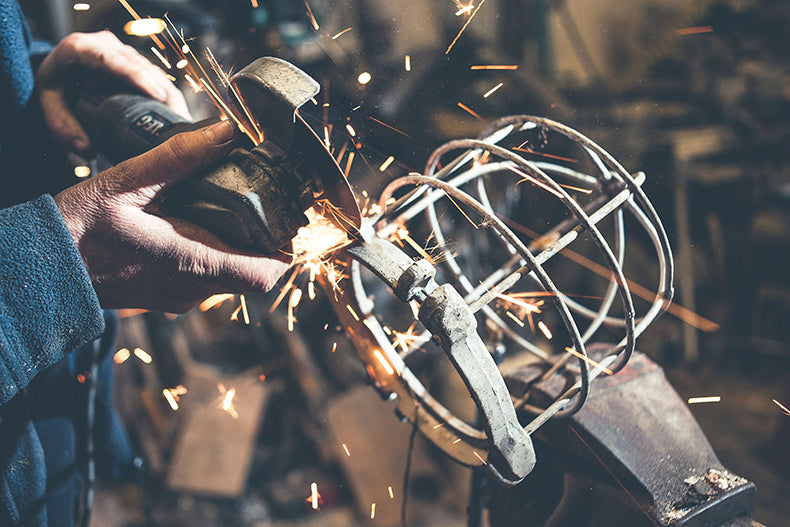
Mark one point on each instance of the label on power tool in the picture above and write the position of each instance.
(149, 125)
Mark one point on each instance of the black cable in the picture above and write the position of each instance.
(407, 471)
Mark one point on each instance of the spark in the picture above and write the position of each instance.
(311, 290)
(384, 363)
(254, 4)
(494, 67)
(84, 171)
(144, 27)
(349, 161)
(468, 20)
(342, 33)
(372, 511)
(181, 64)
(478, 456)
(437, 426)
(686, 315)
(515, 318)
(364, 78)
(382, 123)
(142, 355)
(353, 313)
(345, 449)
(161, 57)
(81, 6)
(783, 407)
(121, 356)
(530, 308)
(185, 49)
(214, 301)
(577, 189)
(392, 494)
(387, 162)
(407, 63)
(470, 111)
(694, 30)
(171, 399)
(552, 156)
(227, 401)
(244, 310)
(544, 329)
(351, 130)
(536, 182)
(235, 315)
(407, 338)
(415, 308)
(590, 361)
(293, 301)
(310, 15)
(712, 399)
(195, 86)
(314, 496)
(464, 10)
(492, 90)
(457, 441)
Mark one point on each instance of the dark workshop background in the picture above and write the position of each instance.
(703, 112)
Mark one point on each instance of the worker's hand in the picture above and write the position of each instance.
(136, 258)
(82, 56)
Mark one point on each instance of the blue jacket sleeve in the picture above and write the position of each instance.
(47, 304)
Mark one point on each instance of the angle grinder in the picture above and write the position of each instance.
(256, 197)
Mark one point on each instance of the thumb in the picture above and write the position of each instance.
(180, 156)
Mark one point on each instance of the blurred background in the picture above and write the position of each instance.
(695, 94)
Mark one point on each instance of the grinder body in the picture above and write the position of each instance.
(256, 197)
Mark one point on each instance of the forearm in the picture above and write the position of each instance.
(47, 304)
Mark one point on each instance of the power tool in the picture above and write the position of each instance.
(256, 197)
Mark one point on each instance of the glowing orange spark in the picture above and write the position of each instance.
(387, 162)
(491, 91)
(314, 496)
(244, 310)
(783, 407)
(478, 457)
(577, 189)
(254, 3)
(142, 355)
(470, 111)
(515, 318)
(536, 182)
(468, 20)
(384, 362)
(121, 355)
(161, 57)
(348, 164)
(353, 313)
(171, 400)
(345, 449)
(407, 63)
(310, 15)
(372, 511)
(495, 67)
(698, 400)
(342, 33)
(351, 130)
(227, 401)
(392, 494)
(686, 315)
(382, 123)
(552, 156)
(694, 30)
(530, 308)
(545, 330)
(590, 361)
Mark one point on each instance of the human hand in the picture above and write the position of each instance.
(138, 259)
(82, 55)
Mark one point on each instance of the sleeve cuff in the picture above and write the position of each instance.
(47, 305)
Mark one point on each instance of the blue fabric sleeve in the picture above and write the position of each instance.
(47, 304)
